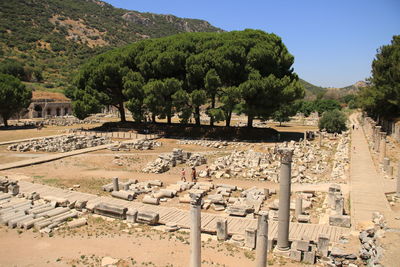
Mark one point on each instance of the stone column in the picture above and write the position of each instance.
(339, 205)
(382, 153)
(299, 207)
(386, 163)
(398, 180)
(262, 240)
(372, 129)
(195, 230)
(115, 184)
(377, 137)
(305, 137)
(284, 199)
(222, 229)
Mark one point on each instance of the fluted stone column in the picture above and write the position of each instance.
(115, 184)
(382, 152)
(284, 199)
(262, 240)
(195, 230)
(305, 137)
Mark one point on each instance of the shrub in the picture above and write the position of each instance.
(333, 121)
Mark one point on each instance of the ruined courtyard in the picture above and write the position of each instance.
(77, 192)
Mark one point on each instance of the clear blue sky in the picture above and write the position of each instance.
(334, 42)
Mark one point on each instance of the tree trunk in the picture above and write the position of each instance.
(228, 119)
(250, 121)
(197, 115)
(280, 124)
(153, 117)
(169, 119)
(121, 110)
(212, 106)
(5, 120)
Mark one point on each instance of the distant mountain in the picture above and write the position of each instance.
(312, 90)
(59, 35)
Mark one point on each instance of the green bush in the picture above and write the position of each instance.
(333, 121)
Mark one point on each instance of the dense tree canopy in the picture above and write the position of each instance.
(14, 96)
(318, 105)
(182, 74)
(382, 98)
(333, 121)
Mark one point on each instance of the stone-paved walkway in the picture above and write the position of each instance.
(367, 193)
(180, 217)
(47, 158)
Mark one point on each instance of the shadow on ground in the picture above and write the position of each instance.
(203, 132)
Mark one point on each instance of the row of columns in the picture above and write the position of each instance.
(262, 228)
(378, 140)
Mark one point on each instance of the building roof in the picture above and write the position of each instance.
(43, 95)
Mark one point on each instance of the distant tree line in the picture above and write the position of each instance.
(247, 71)
(14, 96)
(382, 98)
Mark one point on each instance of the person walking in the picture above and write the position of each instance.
(194, 175)
(183, 175)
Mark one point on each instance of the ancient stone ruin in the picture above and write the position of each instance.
(60, 143)
(168, 160)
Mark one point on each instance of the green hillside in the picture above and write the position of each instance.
(56, 36)
(312, 90)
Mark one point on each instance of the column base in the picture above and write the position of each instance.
(282, 252)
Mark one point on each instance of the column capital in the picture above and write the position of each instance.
(286, 155)
(195, 199)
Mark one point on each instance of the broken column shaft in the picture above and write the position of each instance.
(382, 152)
(284, 199)
(195, 230)
(115, 184)
(262, 241)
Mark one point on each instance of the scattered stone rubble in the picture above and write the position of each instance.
(26, 211)
(370, 251)
(341, 159)
(60, 143)
(336, 204)
(205, 143)
(68, 121)
(310, 162)
(166, 161)
(136, 145)
(61, 121)
(320, 252)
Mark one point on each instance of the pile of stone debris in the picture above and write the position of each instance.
(68, 121)
(143, 144)
(310, 162)
(205, 143)
(63, 143)
(166, 161)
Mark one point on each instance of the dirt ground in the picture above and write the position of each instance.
(134, 245)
